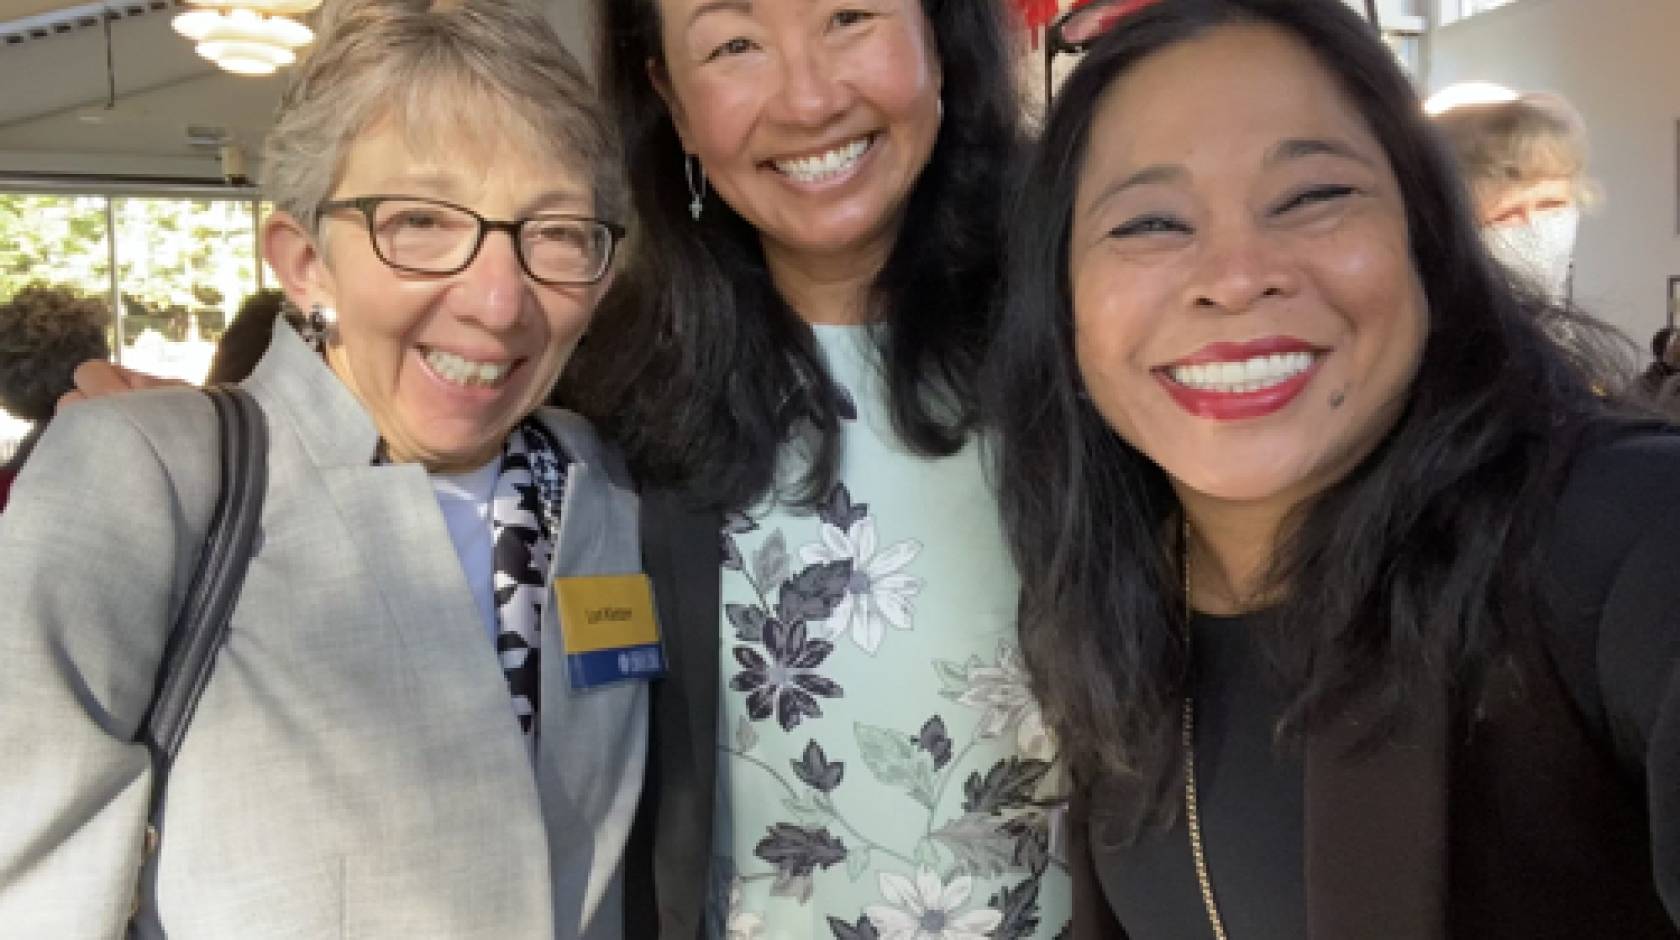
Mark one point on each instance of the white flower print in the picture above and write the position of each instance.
(741, 925)
(880, 593)
(1001, 690)
(930, 910)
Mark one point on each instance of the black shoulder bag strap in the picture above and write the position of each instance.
(201, 626)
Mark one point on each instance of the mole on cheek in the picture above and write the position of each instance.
(1338, 397)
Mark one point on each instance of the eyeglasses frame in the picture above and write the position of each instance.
(367, 205)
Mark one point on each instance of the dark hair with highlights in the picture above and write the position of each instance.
(695, 363)
(1411, 573)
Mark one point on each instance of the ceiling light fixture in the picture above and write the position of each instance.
(247, 37)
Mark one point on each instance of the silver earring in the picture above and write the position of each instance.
(696, 176)
(317, 324)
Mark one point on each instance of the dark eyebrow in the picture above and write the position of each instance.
(1158, 173)
(720, 6)
(1297, 147)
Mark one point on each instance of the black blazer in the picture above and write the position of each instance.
(1555, 813)
(670, 850)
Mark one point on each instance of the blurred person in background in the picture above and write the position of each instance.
(246, 339)
(44, 333)
(1525, 160)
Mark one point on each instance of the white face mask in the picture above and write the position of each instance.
(1539, 249)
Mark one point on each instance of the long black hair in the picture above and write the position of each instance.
(695, 363)
(1408, 575)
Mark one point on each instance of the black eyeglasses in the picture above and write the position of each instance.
(429, 236)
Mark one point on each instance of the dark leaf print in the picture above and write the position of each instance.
(731, 554)
(1032, 841)
(1066, 933)
(818, 685)
(737, 523)
(761, 703)
(781, 685)
(1019, 906)
(794, 706)
(753, 661)
(1008, 785)
(791, 644)
(979, 843)
(798, 851)
(864, 929)
(814, 592)
(935, 741)
(839, 511)
(844, 404)
(817, 771)
(748, 622)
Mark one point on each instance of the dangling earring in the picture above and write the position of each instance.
(317, 324)
(696, 176)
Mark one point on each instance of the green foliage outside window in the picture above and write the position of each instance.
(179, 260)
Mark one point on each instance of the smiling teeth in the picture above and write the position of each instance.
(453, 368)
(1249, 375)
(825, 166)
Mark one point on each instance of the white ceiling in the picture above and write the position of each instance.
(54, 116)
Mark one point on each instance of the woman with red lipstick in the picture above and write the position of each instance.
(390, 742)
(1351, 604)
(846, 742)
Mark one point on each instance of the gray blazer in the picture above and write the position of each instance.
(354, 768)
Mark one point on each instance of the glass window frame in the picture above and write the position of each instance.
(111, 190)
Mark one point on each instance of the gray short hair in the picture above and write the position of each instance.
(1535, 137)
(441, 69)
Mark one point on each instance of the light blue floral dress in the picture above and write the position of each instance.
(884, 772)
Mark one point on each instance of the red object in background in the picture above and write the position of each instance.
(1037, 14)
(6, 477)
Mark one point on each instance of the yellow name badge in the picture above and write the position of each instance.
(610, 629)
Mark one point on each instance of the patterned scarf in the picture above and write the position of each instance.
(524, 518)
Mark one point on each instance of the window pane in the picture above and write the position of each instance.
(265, 273)
(184, 266)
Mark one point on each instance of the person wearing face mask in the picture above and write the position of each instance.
(1525, 160)
(406, 732)
(1350, 602)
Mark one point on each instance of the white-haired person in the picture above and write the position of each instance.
(390, 743)
(1525, 159)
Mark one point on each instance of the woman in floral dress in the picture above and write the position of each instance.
(846, 747)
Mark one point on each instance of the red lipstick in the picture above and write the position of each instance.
(1240, 406)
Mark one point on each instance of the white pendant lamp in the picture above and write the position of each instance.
(247, 37)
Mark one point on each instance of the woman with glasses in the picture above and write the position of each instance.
(1351, 604)
(393, 740)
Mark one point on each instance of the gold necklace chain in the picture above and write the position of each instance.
(1192, 816)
